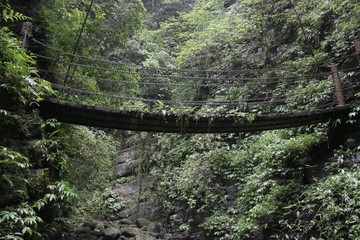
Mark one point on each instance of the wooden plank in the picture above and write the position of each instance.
(130, 120)
(338, 89)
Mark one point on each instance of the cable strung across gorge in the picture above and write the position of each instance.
(167, 83)
(145, 68)
(209, 102)
(306, 102)
(144, 76)
(177, 77)
(170, 102)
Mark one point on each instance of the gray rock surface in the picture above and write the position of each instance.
(154, 229)
(132, 232)
(126, 221)
(142, 223)
(112, 233)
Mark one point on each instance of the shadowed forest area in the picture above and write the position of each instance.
(237, 59)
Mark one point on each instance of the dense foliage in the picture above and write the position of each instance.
(36, 200)
(288, 183)
(104, 35)
(299, 183)
(40, 160)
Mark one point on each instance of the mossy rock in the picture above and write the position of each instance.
(126, 221)
(142, 223)
(132, 231)
(154, 229)
(112, 233)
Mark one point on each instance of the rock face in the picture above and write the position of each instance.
(134, 185)
(127, 162)
(139, 218)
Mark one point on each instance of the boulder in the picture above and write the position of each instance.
(112, 233)
(131, 231)
(142, 223)
(154, 229)
(123, 214)
(91, 223)
(126, 221)
(87, 237)
(175, 236)
(97, 233)
(142, 237)
(82, 229)
(100, 226)
(150, 238)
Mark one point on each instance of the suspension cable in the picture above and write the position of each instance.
(261, 101)
(167, 83)
(77, 43)
(177, 77)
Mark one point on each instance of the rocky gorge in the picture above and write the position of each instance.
(141, 216)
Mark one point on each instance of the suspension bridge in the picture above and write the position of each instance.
(112, 94)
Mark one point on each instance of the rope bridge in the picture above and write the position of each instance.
(112, 94)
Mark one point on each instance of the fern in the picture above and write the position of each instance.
(8, 14)
(19, 222)
(12, 158)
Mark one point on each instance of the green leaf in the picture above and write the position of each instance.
(27, 230)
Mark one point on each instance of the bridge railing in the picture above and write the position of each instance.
(116, 84)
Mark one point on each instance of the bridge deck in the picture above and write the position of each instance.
(80, 114)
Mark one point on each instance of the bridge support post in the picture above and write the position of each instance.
(357, 49)
(26, 31)
(338, 90)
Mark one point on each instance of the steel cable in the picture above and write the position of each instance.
(294, 78)
(58, 51)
